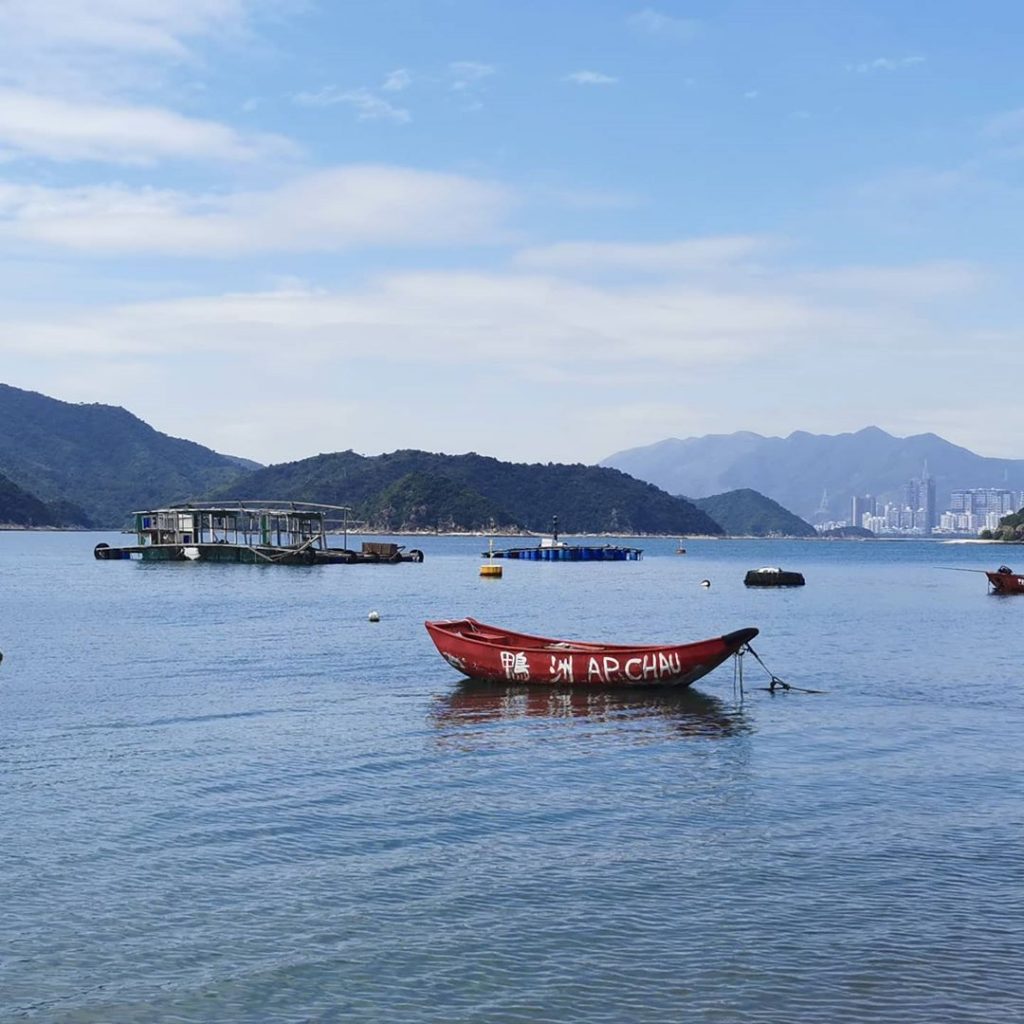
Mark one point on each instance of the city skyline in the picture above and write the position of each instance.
(971, 510)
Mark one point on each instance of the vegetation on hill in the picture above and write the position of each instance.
(746, 513)
(1010, 528)
(414, 489)
(19, 508)
(849, 533)
(101, 459)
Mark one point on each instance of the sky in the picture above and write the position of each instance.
(542, 230)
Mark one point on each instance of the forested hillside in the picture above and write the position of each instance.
(100, 458)
(415, 489)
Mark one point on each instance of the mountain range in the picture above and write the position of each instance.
(814, 475)
(89, 465)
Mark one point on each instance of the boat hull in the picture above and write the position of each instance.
(490, 653)
(1006, 582)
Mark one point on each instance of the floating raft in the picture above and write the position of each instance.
(770, 576)
(257, 533)
(570, 553)
(551, 549)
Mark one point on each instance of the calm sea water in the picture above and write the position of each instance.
(227, 796)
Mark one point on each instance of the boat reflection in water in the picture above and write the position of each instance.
(685, 712)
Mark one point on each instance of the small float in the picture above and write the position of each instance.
(773, 576)
(1005, 581)
(253, 532)
(551, 549)
(491, 653)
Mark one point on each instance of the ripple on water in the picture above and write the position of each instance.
(314, 820)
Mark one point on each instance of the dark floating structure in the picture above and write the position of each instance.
(251, 532)
(772, 576)
(551, 549)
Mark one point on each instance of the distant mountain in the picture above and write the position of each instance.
(745, 513)
(800, 470)
(415, 489)
(100, 458)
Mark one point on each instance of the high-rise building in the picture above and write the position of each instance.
(861, 507)
(982, 500)
(919, 495)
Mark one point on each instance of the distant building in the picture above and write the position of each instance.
(982, 500)
(919, 497)
(861, 507)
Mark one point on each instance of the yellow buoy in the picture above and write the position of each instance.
(490, 570)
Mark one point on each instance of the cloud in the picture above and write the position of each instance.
(756, 339)
(654, 23)
(397, 80)
(447, 318)
(885, 64)
(934, 280)
(65, 130)
(104, 46)
(665, 258)
(1009, 123)
(334, 209)
(590, 78)
(155, 27)
(467, 73)
(367, 105)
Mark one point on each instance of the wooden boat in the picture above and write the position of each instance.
(487, 652)
(1005, 581)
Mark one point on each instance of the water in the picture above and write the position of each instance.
(227, 796)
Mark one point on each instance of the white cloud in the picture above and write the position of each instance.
(755, 339)
(154, 26)
(885, 64)
(59, 129)
(367, 104)
(449, 318)
(466, 73)
(1008, 124)
(590, 78)
(655, 23)
(101, 47)
(664, 258)
(326, 210)
(936, 280)
(397, 80)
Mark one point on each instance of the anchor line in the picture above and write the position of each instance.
(775, 683)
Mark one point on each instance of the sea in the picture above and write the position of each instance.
(226, 795)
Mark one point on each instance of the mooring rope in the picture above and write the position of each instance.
(775, 683)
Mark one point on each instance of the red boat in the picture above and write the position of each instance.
(492, 653)
(1005, 581)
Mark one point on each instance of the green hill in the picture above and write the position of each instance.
(19, 508)
(100, 458)
(414, 489)
(746, 513)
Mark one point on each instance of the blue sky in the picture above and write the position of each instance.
(540, 231)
